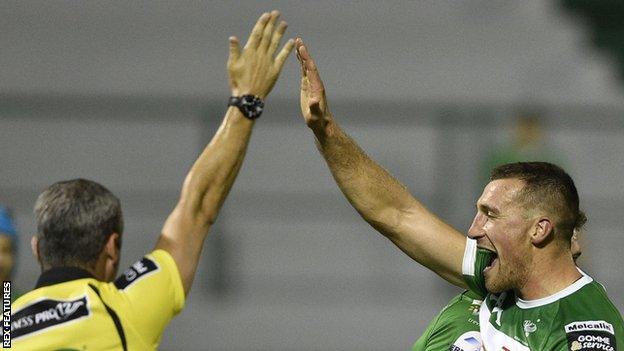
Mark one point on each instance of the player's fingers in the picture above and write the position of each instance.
(316, 87)
(256, 32)
(281, 57)
(234, 50)
(267, 34)
(301, 48)
(316, 84)
(300, 56)
(300, 59)
(277, 36)
(298, 43)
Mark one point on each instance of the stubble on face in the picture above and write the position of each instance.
(507, 276)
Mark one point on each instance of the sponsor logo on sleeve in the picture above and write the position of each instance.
(47, 313)
(138, 270)
(590, 335)
(469, 341)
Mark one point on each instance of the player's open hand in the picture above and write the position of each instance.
(313, 101)
(255, 70)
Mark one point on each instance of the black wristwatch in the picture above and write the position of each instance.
(250, 105)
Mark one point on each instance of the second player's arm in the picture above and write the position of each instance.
(379, 198)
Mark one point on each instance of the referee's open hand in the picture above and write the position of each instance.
(255, 70)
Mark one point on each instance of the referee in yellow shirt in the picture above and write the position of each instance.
(77, 303)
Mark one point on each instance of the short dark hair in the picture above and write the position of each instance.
(75, 218)
(547, 187)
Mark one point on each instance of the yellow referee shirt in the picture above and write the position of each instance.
(71, 310)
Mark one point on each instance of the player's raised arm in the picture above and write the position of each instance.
(379, 198)
(252, 74)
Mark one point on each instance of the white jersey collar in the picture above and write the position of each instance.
(577, 285)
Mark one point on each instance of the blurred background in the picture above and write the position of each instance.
(128, 93)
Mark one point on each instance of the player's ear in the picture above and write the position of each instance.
(34, 246)
(112, 249)
(542, 231)
(112, 253)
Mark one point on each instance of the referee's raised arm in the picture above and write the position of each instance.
(252, 72)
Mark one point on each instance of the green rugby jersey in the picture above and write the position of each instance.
(456, 327)
(580, 317)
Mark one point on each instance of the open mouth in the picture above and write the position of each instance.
(492, 258)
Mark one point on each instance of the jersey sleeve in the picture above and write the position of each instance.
(153, 294)
(473, 264)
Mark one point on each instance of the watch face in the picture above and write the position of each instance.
(247, 99)
(251, 106)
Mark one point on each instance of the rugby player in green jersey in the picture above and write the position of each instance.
(517, 253)
(457, 325)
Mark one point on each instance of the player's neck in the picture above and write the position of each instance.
(549, 275)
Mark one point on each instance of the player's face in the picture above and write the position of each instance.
(500, 226)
